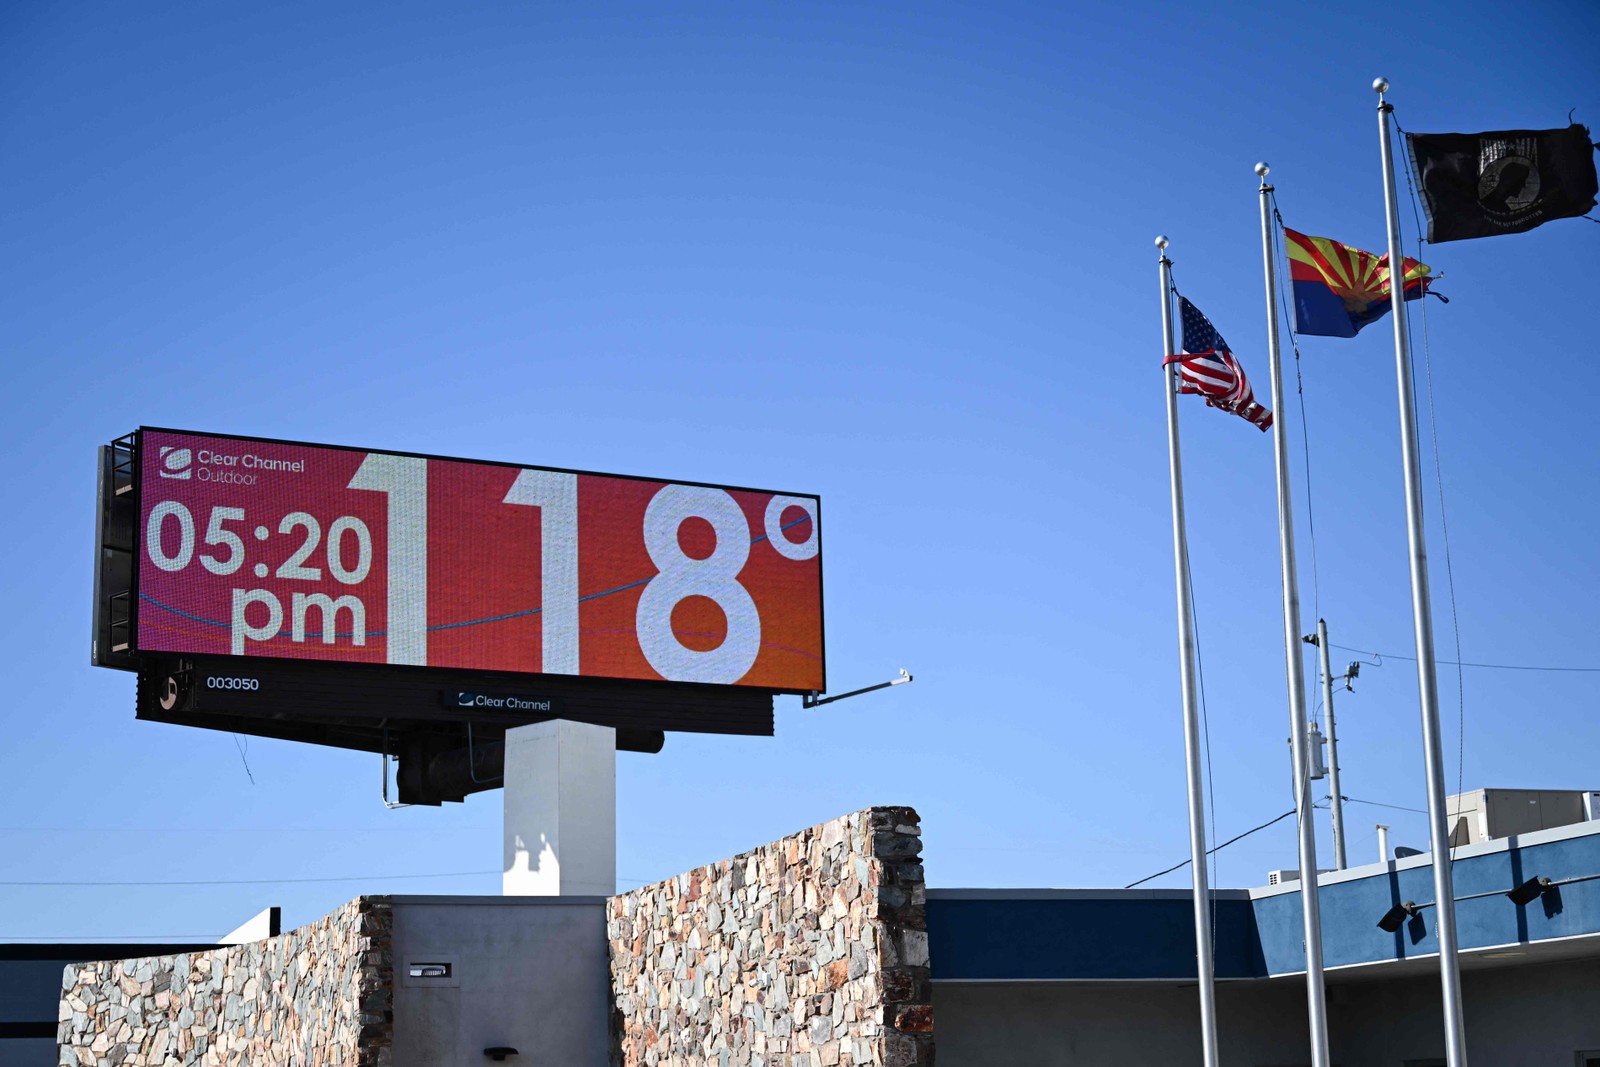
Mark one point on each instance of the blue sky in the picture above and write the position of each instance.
(896, 255)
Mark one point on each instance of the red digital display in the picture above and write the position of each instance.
(269, 548)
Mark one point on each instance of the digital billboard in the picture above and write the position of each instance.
(260, 548)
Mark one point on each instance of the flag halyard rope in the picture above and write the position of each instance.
(1438, 476)
(1205, 719)
(1281, 251)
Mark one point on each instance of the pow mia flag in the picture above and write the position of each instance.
(1504, 181)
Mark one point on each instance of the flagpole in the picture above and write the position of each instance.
(1310, 905)
(1186, 672)
(1422, 617)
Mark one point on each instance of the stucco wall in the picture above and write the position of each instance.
(1096, 1024)
(808, 952)
(1518, 1015)
(1527, 1015)
(319, 995)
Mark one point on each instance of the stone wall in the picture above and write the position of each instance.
(318, 995)
(808, 952)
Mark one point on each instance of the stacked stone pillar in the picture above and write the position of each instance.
(808, 952)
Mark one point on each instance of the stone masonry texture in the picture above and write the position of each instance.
(808, 952)
(319, 996)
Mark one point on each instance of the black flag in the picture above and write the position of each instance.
(1504, 181)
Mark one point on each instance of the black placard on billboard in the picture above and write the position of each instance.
(353, 708)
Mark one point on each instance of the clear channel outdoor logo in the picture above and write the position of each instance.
(538, 705)
(175, 462)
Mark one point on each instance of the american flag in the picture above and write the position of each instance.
(1208, 368)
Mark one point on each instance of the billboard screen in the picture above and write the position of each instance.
(269, 548)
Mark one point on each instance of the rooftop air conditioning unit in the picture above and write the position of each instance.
(1291, 874)
(1591, 805)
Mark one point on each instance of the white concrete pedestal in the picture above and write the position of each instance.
(560, 810)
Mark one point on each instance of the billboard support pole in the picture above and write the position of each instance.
(560, 810)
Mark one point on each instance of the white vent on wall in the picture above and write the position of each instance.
(430, 971)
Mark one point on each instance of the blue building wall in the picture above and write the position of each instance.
(1108, 934)
(30, 992)
(1351, 908)
(1086, 934)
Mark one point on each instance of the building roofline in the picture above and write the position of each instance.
(1079, 894)
(1425, 859)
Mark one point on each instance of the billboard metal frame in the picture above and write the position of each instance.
(395, 710)
(136, 460)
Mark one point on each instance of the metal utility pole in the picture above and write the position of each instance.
(1320, 639)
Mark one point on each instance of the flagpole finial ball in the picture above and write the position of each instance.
(1161, 242)
(1262, 170)
(1380, 85)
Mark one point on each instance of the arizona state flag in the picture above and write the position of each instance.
(1339, 289)
(1503, 181)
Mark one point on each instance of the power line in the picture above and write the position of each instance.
(239, 829)
(1270, 822)
(1463, 663)
(256, 882)
(155, 939)
(1380, 804)
(1219, 848)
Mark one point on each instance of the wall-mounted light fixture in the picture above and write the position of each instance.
(1395, 916)
(1526, 893)
(1530, 891)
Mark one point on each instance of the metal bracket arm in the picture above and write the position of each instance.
(816, 700)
